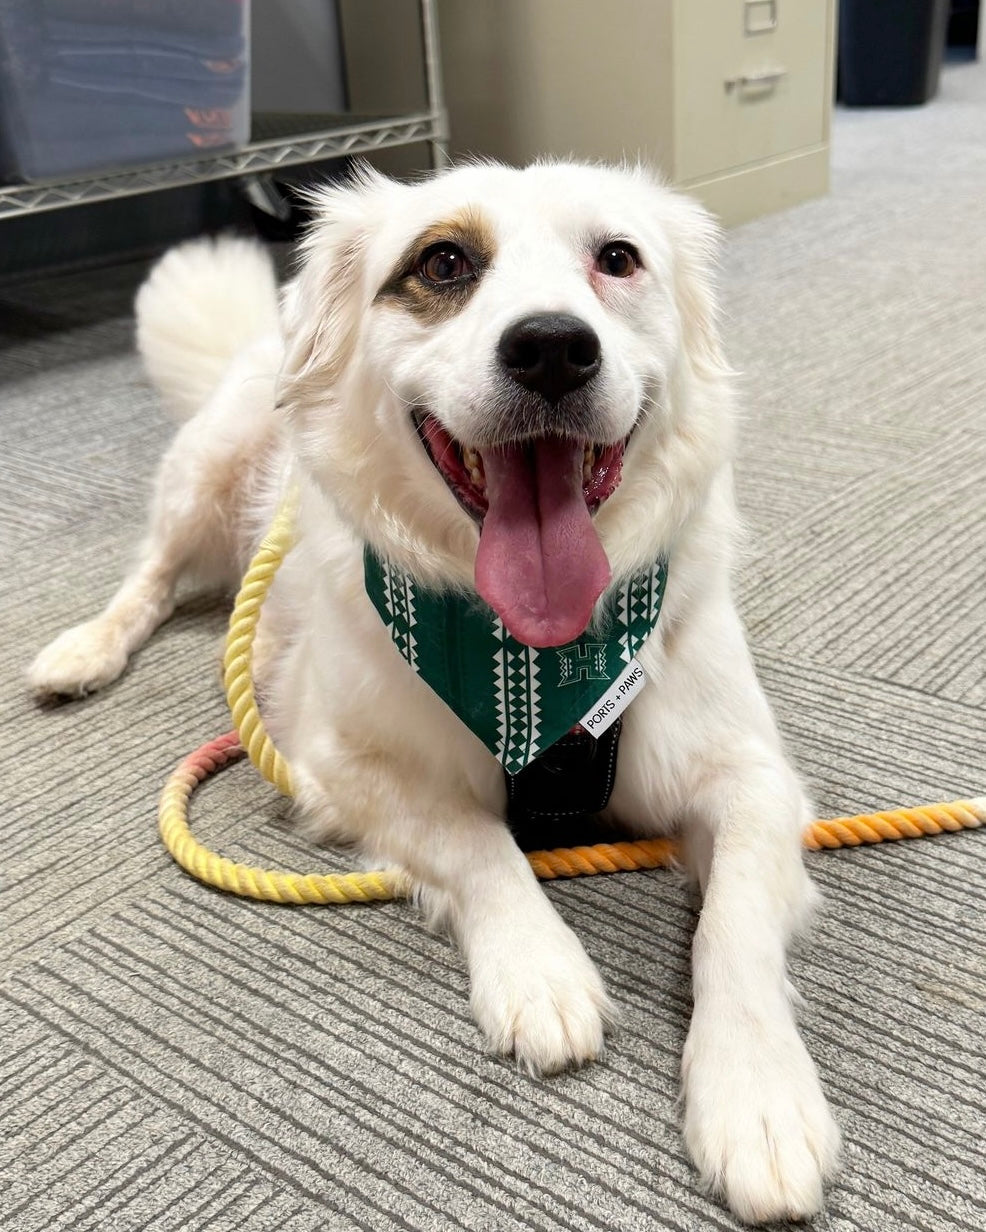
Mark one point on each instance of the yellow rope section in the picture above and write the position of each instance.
(272, 885)
(238, 658)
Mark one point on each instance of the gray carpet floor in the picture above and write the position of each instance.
(177, 1059)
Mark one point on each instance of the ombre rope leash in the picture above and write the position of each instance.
(271, 885)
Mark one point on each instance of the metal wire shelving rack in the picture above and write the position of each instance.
(340, 137)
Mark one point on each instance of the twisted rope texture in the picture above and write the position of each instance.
(238, 656)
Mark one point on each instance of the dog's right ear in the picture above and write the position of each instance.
(321, 308)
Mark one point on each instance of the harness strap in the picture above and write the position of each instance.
(557, 797)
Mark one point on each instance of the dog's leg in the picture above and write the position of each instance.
(91, 655)
(534, 991)
(756, 1121)
(703, 753)
(194, 525)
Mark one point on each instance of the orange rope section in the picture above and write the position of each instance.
(896, 823)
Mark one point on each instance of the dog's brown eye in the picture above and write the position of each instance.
(444, 263)
(617, 260)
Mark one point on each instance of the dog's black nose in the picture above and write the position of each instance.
(550, 353)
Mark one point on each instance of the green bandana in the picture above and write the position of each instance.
(516, 699)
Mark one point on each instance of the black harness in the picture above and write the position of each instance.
(556, 800)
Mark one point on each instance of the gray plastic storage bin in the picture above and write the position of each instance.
(87, 85)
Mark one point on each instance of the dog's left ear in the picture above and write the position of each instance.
(696, 240)
(321, 309)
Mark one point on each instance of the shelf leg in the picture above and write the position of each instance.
(433, 78)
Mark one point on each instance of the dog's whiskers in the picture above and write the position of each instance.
(408, 402)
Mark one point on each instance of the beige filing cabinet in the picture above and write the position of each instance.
(730, 98)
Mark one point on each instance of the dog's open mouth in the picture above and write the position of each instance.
(540, 564)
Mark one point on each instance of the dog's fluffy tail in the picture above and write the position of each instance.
(200, 305)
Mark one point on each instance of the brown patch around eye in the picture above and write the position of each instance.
(434, 302)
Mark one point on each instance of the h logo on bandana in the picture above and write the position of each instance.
(582, 661)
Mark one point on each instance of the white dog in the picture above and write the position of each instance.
(507, 383)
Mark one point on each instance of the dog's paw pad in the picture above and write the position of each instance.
(80, 661)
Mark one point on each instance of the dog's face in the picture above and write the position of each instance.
(493, 372)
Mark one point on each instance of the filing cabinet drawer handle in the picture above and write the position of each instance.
(756, 81)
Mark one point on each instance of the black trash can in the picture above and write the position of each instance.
(890, 51)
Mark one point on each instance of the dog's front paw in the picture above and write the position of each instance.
(756, 1122)
(83, 659)
(540, 997)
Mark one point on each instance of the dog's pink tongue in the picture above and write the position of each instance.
(540, 564)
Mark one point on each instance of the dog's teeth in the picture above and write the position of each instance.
(588, 458)
(474, 465)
